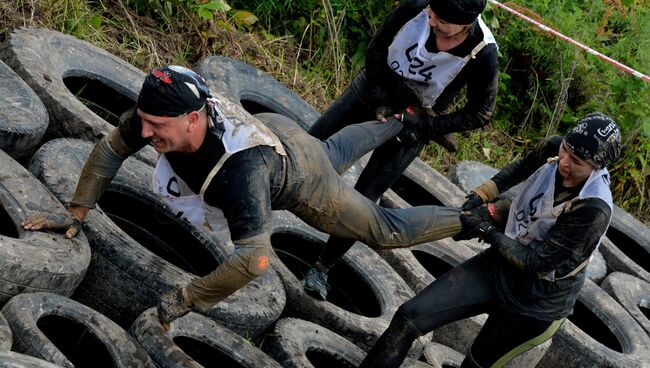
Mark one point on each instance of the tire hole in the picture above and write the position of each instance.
(205, 354)
(322, 359)
(433, 264)
(255, 107)
(593, 326)
(101, 99)
(414, 193)
(7, 225)
(76, 342)
(158, 232)
(631, 248)
(348, 290)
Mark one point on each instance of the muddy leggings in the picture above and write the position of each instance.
(465, 291)
(385, 166)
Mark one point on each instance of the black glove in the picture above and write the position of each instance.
(474, 228)
(412, 130)
(477, 215)
(473, 200)
(67, 222)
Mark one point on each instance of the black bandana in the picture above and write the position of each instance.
(457, 11)
(596, 139)
(172, 91)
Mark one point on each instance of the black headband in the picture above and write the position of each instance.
(172, 91)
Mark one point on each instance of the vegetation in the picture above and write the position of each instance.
(316, 48)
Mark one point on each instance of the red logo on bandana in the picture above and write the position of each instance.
(164, 77)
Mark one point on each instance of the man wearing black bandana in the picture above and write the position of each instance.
(528, 280)
(224, 158)
(425, 55)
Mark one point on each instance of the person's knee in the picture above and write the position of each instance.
(255, 259)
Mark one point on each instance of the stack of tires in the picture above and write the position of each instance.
(88, 301)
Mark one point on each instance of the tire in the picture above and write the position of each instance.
(23, 118)
(302, 344)
(10, 359)
(255, 90)
(5, 334)
(420, 265)
(74, 79)
(203, 342)
(134, 258)
(440, 356)
(600, 333)
(618, 261)
(633, 294)
(60, 330)
(34, 260)
(628, 249)
(632, 238)
(365, 290)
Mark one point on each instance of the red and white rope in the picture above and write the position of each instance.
(617, 64)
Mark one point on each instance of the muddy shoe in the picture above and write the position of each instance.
(315, 283)
(172, 306)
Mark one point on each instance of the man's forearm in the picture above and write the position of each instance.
(102, 165)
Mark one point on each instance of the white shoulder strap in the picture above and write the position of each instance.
(213, 172)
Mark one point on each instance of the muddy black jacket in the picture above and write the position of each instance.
(568, 243)
(245, 187)
(480, 75)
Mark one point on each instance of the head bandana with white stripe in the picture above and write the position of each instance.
(596, 139)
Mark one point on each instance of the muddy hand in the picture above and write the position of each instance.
(67, 223)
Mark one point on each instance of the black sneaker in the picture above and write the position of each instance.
(315, 283)
(172, 306)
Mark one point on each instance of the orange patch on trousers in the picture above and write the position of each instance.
(262, 262)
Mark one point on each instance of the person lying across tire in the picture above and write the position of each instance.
(418, 63)
(218, 159)
(528, 280)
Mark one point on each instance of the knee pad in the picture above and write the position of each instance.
(255, 259)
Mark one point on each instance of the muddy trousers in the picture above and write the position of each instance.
(463, 292)
(385, 166)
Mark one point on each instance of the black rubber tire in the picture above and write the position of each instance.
(5, 334)
(296, 343)
(23, 118)
(255, 90)
(624, 342)
(419, 266)
(365, 292)
(45, 58)
(34, 260)
(53, 63)
(46, 325)
(10, 359)
(131, 277)
(633, 293)
(629, 250)
(208, 342)
(618, 261)
(440, 356)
